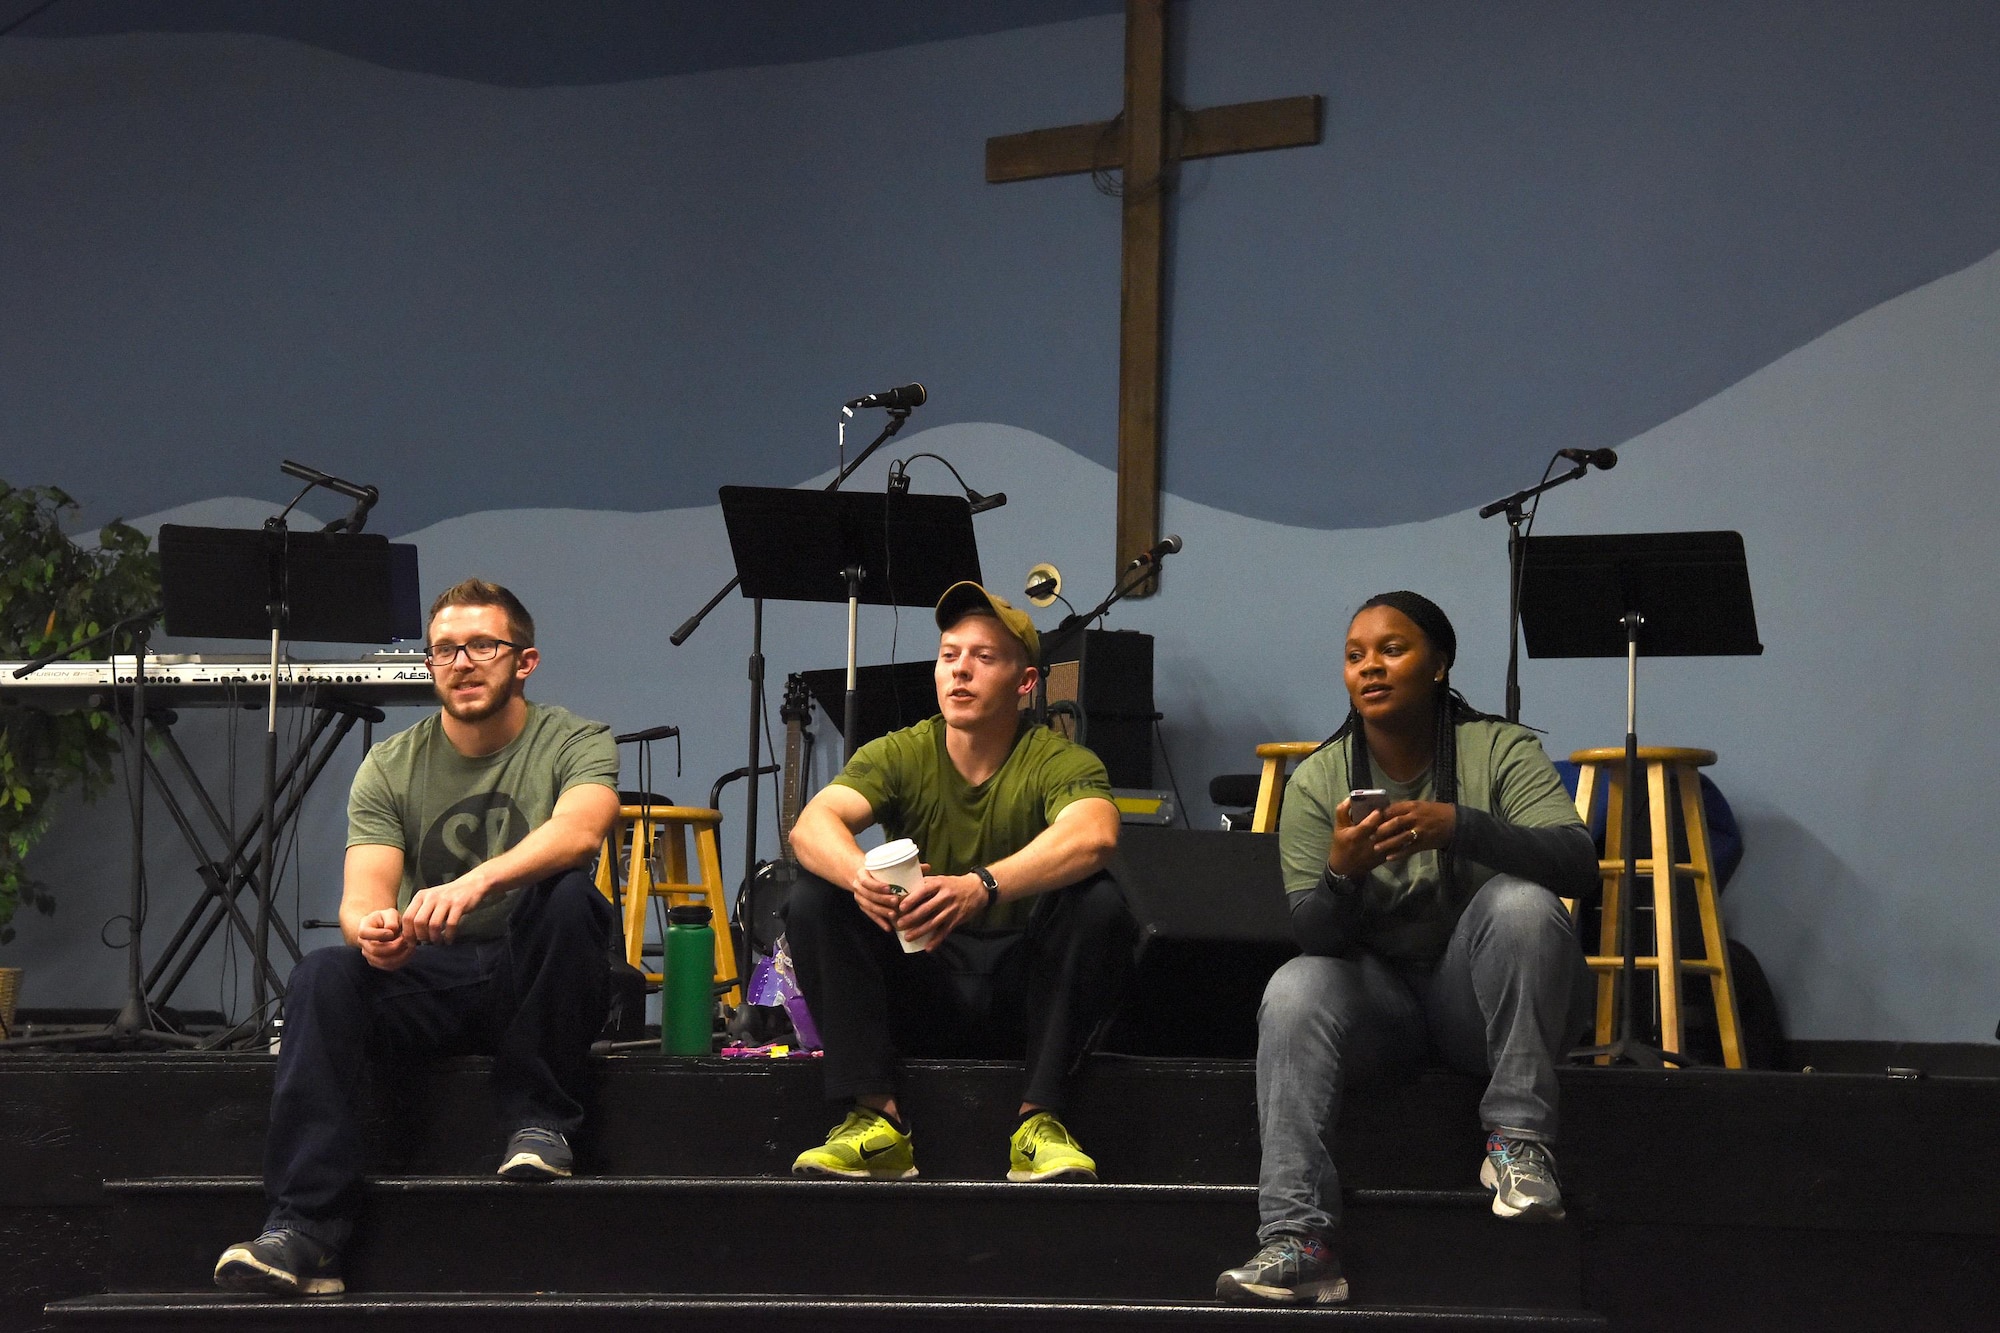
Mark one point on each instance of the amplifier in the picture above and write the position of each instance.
(1100, 692)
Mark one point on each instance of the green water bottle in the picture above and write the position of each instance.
(687, 996)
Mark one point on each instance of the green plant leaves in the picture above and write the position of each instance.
(54, 594)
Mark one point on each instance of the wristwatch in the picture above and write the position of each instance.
(992, 885)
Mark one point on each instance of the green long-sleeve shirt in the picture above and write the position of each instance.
(1514, 816)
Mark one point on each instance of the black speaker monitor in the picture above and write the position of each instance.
(1213, 926)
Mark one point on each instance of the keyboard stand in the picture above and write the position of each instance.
(225, 878)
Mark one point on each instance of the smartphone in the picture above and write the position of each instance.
(1364, 801)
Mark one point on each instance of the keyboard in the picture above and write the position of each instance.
(210, 681)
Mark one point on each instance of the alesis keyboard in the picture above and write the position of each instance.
(222, 682)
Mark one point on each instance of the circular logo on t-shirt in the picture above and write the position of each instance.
(473, 831)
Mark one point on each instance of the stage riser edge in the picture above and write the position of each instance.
(848, 1237)
(447, 1314)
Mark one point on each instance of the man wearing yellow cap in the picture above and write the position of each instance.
(1025, 942)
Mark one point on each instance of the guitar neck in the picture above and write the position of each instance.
(796, 712)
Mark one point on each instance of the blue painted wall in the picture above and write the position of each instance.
(550, 302)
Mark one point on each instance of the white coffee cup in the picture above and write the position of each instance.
(898, 863)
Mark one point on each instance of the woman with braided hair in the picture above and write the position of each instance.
(1427, 928)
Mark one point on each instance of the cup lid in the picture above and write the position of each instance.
(890, 854)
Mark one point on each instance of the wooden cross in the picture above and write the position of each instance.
(1144, 144)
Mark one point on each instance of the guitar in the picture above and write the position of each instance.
(796, 712)
(772, 882)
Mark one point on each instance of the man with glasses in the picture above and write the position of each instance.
(470, 926)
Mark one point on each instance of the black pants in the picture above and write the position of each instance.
(1040, 992)
(534, 1000)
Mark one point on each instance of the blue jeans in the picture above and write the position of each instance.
(1509, 996)
(534, 999)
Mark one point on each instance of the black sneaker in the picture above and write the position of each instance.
(281, 1262)
(1290, 1270)
(536, 1154)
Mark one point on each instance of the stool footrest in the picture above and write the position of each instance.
(1611, 869)
(1600, 963)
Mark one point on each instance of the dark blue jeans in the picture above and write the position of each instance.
(534, 999)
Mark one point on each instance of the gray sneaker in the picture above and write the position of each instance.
(1292, 1270)
(1522, 1175)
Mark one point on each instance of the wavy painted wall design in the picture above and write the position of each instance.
(1752, 246)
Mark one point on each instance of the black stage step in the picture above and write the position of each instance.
(838, 1237)
(1699, 1199)
(749, 1313)
(447, 1312)
(87, 1118)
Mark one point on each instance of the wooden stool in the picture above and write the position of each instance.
(1661, 765)
(1271, 788)
(641, 830)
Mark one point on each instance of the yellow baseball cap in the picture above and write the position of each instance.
(960, 598)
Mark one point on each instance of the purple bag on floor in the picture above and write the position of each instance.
(773, 982)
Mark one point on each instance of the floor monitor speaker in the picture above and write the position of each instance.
(1213, 926)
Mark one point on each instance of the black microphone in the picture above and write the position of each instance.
(649, 734)
(1171, 546)
(1602, 459)
(367, 495)
(981, 503)
(899, 399)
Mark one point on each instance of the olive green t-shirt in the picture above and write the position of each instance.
(916, 792)
(1407, 911)
(449, 813)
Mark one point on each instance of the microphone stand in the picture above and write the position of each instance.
(897, 416)
(1510, 505)
(1122, 587)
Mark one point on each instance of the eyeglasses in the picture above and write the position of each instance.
(477, 650)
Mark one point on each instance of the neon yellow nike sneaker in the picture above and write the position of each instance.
(1042, 1149)
(864, 1146)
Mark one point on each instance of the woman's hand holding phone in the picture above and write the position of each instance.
(1357, 823)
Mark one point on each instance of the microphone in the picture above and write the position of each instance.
(1602, 459)
(899, 399)
(1171, 546)
(981, 503)
(367, 495)
(649, 734)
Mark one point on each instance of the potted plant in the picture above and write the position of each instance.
(54, 593)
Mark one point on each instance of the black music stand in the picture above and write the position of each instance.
(276, 584)
(1666, 594)
(849, 546)
(891, 694)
